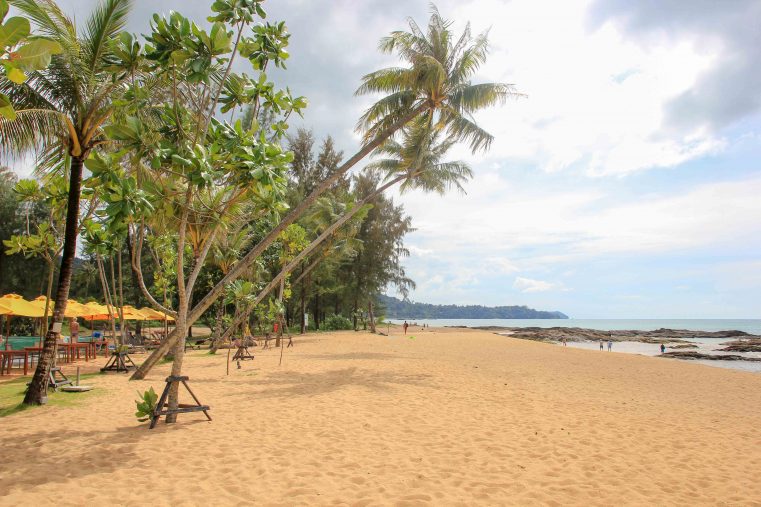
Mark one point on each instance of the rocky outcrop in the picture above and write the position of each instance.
(691, 354)
(750, 345)
(683, 346)
(555, 334)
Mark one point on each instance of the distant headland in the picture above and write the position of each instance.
(398, 309)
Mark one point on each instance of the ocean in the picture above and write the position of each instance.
(752, 326)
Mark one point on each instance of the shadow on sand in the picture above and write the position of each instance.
(288, 384)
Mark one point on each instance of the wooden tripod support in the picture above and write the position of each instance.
(163, 409)
(242, 354)
(119, 362)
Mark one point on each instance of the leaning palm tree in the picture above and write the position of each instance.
(435, 83)
(60, 114)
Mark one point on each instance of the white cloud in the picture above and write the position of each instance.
(529, 285)
(596, 100)
(582, 224)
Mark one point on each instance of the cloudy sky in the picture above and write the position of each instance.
(626, 185)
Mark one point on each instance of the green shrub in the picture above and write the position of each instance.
(146, 405)
(337, 322)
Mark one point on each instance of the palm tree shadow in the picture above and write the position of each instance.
(353, 356)
(29, 464)
(289, 384)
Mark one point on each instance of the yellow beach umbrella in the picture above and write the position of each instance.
(90, 310)
(73, 308)
(5, 310)
(132, 313)
(20, 307)
(152, 314)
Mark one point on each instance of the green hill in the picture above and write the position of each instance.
(398, 309)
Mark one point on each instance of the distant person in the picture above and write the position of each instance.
(565, 341)
(663, 349)
(74, 328)
(405, 326)
(610, 345)
(601, 345)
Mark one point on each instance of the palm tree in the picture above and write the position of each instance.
(435, 84)
(60, 114)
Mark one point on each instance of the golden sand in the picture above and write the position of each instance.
(449, 417)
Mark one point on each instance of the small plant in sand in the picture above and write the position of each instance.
(146, 405)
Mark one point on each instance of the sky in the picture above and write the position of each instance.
(625, 184)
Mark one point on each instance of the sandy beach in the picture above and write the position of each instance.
(449, 417)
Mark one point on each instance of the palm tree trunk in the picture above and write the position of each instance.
(115, 303)
(106, 296)
(317, 305)
(37, 392)
(121, 295)
(280, 317)
(371, 315)
(51, 274)
(302, 306)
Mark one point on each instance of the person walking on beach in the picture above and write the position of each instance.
(610, 345)
(565, 342)
(405, 326)
(663, 349)
(601, 346)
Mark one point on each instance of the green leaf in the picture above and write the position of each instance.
(6, 109)
(13, 31)
(16, 75)
(3, 9)
(220, 39)
(35, 54)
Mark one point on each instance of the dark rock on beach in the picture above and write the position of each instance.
(554, 334)
(691, 354)
(750, 345)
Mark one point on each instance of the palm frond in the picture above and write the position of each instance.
(107, 20)
(470, 98)
(466, 130)
(49, 21)
(33, 129)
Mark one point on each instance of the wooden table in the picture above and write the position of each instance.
(73, 349)
(9, 355)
